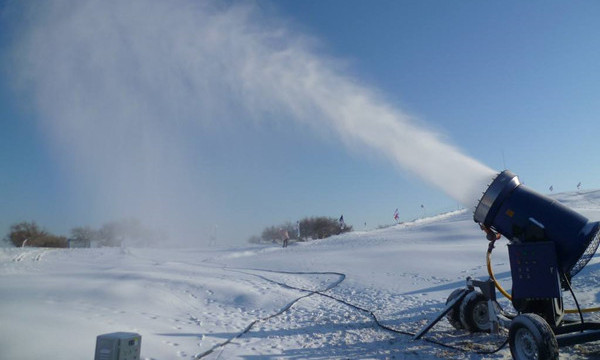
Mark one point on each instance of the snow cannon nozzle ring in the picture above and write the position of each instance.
(494, 195)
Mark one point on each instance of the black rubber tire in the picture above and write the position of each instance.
(474, 314)
(453, 315)
(530, 337)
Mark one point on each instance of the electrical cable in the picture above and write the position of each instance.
(321, 292)
(403, 332)
(281, 311)
(354, 306)
(574, 297)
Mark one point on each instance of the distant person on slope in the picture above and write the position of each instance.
(284, 236)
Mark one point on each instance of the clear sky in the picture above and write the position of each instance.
(512, 84)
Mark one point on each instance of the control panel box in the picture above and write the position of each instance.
(118, 346)
(534, 270)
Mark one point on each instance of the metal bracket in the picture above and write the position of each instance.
(447, 309)
(489, 291)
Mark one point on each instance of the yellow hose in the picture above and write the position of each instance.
(509, 297)
(488, 259)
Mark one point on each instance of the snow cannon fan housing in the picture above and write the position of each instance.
(524, 216)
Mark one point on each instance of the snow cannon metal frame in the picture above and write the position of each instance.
(524, 217)
(548, 245)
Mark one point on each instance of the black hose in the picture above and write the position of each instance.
(322, 293)
(568, 283)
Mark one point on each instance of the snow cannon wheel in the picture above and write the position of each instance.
(453, 315)
(474, 313)
(530, 337)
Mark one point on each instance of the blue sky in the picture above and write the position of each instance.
(508, 83)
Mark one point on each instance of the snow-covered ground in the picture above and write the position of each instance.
(312, 300)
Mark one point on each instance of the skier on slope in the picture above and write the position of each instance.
(342, 223)
(284, 236)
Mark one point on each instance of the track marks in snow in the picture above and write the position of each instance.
(179, 353)
(30, 255)
(284, 309)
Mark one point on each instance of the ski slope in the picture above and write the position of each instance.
(312, 300)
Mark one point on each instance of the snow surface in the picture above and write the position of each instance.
(307, 301)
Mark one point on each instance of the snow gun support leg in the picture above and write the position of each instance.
(470, 309)
(449, 306)
(488, 290)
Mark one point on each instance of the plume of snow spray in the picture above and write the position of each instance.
(122, 86)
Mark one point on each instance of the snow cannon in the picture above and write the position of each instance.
(524, 217)
(549, 243)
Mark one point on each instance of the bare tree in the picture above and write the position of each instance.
(30, 234)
